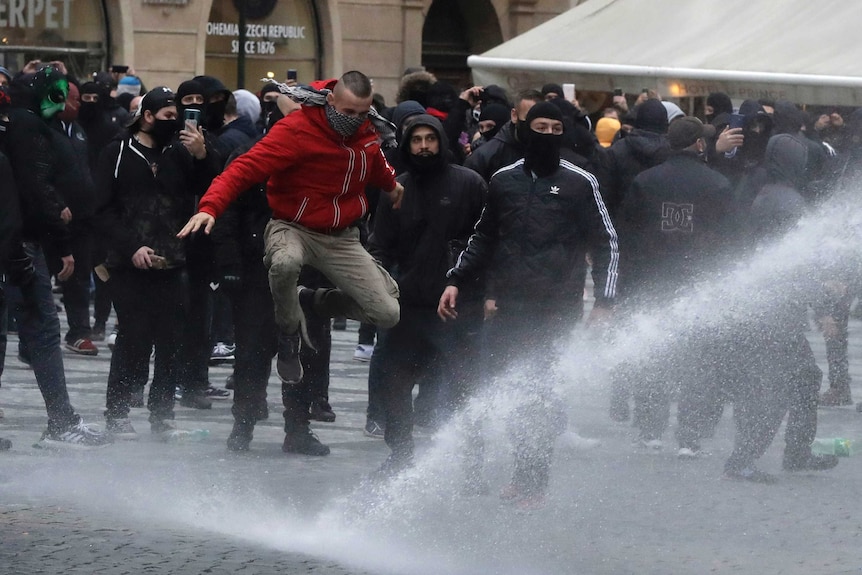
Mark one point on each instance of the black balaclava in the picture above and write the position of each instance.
(90, 111)
(651, 116)
(191, 87)
(499, 113)
(720, 103)
(269, 112)
(214, 115)
(757, 130)
(542, 151)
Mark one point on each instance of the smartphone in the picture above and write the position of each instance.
(159, 262)
(119, 69)
(569, 92)
(736, 121)
(618, 91)
(192, 117)
(291, 74)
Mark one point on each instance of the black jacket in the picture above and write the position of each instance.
(28, 143)
(674, 221)
(625, 159)
(10, 214)
(419, 241)
(141, 205)
(532, 233)
(74, 181)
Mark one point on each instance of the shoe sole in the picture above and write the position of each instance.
(54, 444)
(218, 397)
(126, 436)
(362, 359)
(73, 349)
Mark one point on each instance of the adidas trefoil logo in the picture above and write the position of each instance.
(555, 190)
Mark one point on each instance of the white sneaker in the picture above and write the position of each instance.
(122, 429)
(78, 435)
(112, 339)
(363, 352)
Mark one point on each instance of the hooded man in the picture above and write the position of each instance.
(541, 214)
(421, 239)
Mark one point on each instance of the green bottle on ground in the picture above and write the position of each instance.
(836, 446)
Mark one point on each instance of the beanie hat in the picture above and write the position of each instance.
(685, 131)
(552, 88)
(606, 131)
(651, 116)
(499, 113)
(404, 110)
(6, 73)
(247, 104)
(544, 110)
(720, 103)
(129, 85)
(673, 111)
(189, 87)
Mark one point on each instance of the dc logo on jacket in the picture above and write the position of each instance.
(677, 217)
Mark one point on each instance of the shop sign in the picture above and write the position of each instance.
(50, 14)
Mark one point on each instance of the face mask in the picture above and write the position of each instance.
(54, 101)
(522, 131)
(163, 131)
(215, 115)
(267, 108)
(542, 155)
(342, 123)
(88, 111)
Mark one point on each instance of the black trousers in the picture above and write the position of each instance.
(420, 343)
(195, 348)
(255, 333)
(76, 289)
(524, 336)
(152, 308)
(782, 377)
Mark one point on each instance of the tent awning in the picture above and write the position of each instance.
(797, 50)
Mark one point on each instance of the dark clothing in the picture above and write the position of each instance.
(532, 233)
(10, 212)
(238, 134)
(36, 165)
(625, 159)
(146, 195)
(675, 219)
(151, 308)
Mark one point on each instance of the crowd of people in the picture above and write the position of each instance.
(458, 227)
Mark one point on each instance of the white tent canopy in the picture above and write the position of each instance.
(797, 50)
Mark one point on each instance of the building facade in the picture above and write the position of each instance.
(241, 41)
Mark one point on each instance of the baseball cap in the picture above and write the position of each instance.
(685, 131)
(154, 100)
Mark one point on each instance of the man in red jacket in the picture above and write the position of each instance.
(316, 163)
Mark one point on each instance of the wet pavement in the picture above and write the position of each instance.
(190, 508)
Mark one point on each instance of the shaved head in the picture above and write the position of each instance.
(356, 82)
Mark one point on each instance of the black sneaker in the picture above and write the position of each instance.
(392, 466)
(374, 429)
(304, 442)
(288, 366)
(213, 392)
(76, 436)
(809, 462)
(121, 429)
(339, 323)
(228, 383)
(240, 436)
(322, 411)
(196, 399)
(751, 474)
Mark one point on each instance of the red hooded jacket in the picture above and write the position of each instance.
(313, 175)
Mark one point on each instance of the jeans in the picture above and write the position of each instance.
(39, 332)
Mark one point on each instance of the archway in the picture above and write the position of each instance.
(453, 30)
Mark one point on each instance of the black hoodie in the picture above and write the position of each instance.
(419, 241)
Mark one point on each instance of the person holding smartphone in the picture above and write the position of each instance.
(146, 183)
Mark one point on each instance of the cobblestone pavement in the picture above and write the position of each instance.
(190, 508)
